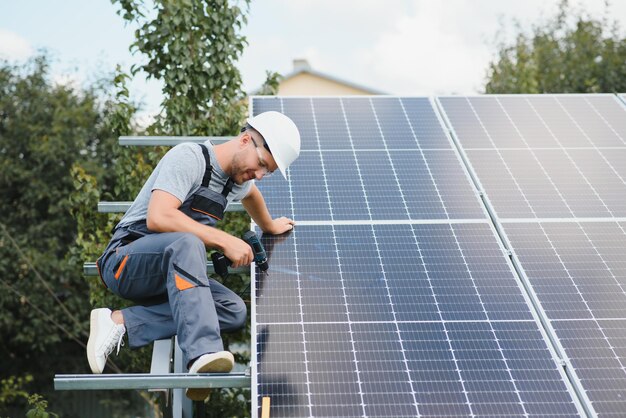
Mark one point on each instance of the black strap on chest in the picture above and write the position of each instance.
(206, 179)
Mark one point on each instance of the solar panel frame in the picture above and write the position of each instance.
(410, 221)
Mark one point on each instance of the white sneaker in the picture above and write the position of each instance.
(104, 335)
(220, 362)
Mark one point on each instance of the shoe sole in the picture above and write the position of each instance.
(219, 365)
(93, 337)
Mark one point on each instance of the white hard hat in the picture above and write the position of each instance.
(281, 136)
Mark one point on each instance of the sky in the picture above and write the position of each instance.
(400, 47)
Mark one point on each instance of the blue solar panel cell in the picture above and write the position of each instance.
(308, 184)
(369, 291)
(606, 177)
(385, 199)
(364, 129)
(496, 122)
(579, 275)
(333, 378)
(425, 124)
(526, 122)
(300, 110)
(538, 121)
(616, 160)
(571, 184)
(538, 156)
(346, 189)
(466, 124)
(582, 261)
(393, 123)
(366, 185)
(281, 369)
(596, 350)
(330, 125)
(266, 104)
(599, 117)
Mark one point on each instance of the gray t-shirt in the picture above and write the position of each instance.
(180, 173)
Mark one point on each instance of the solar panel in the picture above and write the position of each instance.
(392, 296)
(399, 321)
(578, 271)
(553, 170)
(363, 163)
(545, 156)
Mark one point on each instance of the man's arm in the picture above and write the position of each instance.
(164, 216)
(255, 205)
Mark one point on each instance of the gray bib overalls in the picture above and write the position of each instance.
(165, 275)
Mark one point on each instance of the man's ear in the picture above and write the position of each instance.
(244, 139)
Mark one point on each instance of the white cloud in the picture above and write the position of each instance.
(426, 54)
(357, 15)
(265, 54)
(13, 46)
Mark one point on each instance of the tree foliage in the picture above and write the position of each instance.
(192, 46)
(46, 129)
(571, 52)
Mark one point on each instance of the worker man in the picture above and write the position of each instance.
(157, 255)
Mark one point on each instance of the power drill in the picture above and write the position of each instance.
(221, 262)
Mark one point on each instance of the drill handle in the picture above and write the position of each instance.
(220, 264)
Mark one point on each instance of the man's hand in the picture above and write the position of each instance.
(256, 208)
(237, 251)
(280, 226)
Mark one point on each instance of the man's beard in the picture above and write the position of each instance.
(236, 170)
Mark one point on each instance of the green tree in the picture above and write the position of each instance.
(192, 46)
(45, 130)
(571, 52)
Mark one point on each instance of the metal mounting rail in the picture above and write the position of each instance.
(121, 207)
(170, 140)
(90, 269)
(151, 381)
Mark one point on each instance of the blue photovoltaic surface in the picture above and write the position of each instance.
(366, 159)
(545, 156)
(553, 167)
(399, 319)
(578, 271)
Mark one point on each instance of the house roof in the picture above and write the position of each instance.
(302, 67)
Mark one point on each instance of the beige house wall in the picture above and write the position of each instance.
(305, 84)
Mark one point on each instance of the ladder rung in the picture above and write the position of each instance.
(150, 381)
(170, 140)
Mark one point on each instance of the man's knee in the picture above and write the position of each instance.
(235, 315)
(189, 240)
(187, 243)
(241, 316)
